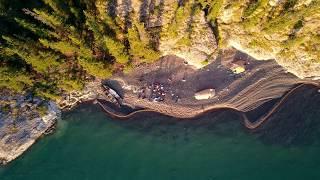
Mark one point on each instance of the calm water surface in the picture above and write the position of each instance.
(89, 145)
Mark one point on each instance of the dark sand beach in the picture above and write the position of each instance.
(263, 84)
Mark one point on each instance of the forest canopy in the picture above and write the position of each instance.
(49, 47)
(53, 46)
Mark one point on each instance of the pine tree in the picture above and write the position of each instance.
(63, 47)
(56, 6)
(14, 79)
(117, 50)
(139, 45)
(95, 68)
(41, 61)
(41, 32)
(45, 17)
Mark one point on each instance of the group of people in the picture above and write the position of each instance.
(154, 92)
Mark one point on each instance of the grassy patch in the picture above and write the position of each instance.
(42, 110)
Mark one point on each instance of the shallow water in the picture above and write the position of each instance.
(89, 145)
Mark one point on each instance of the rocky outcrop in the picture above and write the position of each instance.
(23, 120)
(92, 90)
(288, 33)
(186, 34)
(194, 40)
(180, 28)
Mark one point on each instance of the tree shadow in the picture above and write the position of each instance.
(155, 40)
(127, 16)
(143, 16)
(181, 3)
(160, 12)
(147, 10)
(112, 8)
(191, 20)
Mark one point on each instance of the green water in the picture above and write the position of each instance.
(89, 145)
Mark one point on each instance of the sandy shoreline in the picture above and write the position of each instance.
(184, 113)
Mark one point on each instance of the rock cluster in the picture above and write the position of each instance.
(92, 90)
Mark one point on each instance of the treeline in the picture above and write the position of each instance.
(54, 46)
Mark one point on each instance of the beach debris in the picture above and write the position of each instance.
(112, 95)
(205, 94)
(238, 69)
(238, 66)
(176, 99)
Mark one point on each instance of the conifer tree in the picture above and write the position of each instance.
(41, 61)
(117, 50)
(14, 79)
(139, 45)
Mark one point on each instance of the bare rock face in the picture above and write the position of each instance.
(21, 124)
(91, 91)
(24, 118)
(275, 30)
(194, 40)
(180, 28)
(272, 29)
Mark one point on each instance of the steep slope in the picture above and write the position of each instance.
(177, 28)
(288, 31)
